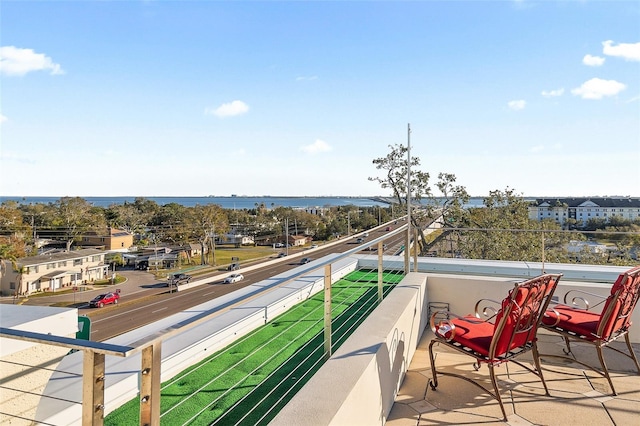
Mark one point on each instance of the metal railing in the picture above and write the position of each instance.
(150, 348)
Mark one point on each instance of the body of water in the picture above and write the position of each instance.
(239, 202)
(224, 202)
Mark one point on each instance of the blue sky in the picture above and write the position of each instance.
(153, 98)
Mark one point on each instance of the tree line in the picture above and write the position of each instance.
(70, 218)
(500, 230)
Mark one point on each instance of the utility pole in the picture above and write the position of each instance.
(407, 244)
(286, 236)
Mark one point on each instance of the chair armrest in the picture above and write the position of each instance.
(585, 302)
(444, 328)
(545, 314)
(487, 311)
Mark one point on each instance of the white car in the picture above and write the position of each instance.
(233, 278)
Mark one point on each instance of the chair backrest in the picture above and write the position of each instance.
(518, 320)
(617, 310)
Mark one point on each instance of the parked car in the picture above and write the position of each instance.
(233, 278)
(305, 260)
(104, 299)
(366, 234)
(233, 267)
(314, 246)
(279, 245)
(177, 279)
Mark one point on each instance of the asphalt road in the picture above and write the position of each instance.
(144, 299)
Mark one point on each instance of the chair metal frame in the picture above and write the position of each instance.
(613, 322)
(510, 330)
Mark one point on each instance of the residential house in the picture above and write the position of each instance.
(112, 239)
(237, 238)
(298, 240)
(51, 272)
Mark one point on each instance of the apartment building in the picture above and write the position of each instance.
(51, 272)
(583, 209)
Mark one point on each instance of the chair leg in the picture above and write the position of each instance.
(496, 390)
(631, 352)
(605, 369)
(568, 345)
(433, 383)
(536, 360)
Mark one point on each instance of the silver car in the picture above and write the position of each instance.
(233, 278)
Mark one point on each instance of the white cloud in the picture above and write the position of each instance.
(316, 147)
(552, 93)
(517, 105)
(13, 157)
(303, 78)
(3, 118)
(628, 51)
(597, 88)
(16, 61)
(593, 61)
(228, 110)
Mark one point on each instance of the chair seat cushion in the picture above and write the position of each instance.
(473, 334)
(579, 321)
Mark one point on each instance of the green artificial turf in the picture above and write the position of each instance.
(249, 381)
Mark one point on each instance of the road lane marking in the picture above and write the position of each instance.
(158, 310)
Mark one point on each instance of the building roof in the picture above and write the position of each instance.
(617, 202)
(57, 256)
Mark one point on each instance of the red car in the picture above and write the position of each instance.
(104, 299)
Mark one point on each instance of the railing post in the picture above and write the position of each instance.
(407, 237)
(380, 254)
(150, 385)
(93, 388)
(327, 311)
(415, 250)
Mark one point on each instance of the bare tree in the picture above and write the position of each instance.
(449, 207)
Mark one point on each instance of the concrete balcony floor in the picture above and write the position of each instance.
(579, 396)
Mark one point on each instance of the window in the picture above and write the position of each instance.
(12, 286)
(62, 264)
(77, 262)
(51, 265)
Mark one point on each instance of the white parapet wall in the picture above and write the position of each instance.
(359, 383)
(25, 367)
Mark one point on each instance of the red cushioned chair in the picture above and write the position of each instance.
(507, 333)
(598, 328)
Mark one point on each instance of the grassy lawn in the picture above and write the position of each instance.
(250, 380)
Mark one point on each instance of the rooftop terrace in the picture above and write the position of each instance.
(578, 396)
